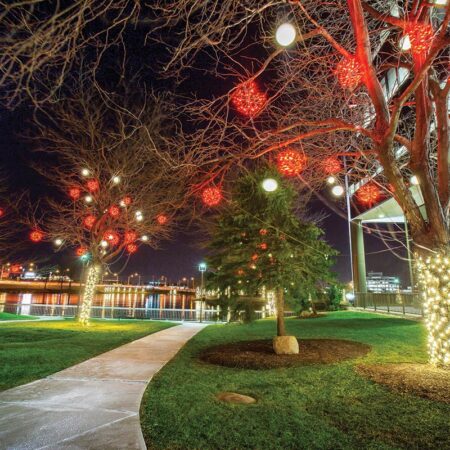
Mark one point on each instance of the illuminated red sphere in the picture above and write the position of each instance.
(162, 219)
(291, 162)
(74, 193)
(129, 237)
(111, 237)
(127, 200)
(92, 185)
(114, 211)
(368, 194)
(263, 246)
(80, 251)
(212, 196)
(16, 268)
(36, 235)
(420, 35)
(254, 257)
(240, 272)
(2, 212)
(132, 248)
(89, 221)
(262, 231)
(331, 165)
(248, 99)
(349, 72)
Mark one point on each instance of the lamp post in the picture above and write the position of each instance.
(202, 269)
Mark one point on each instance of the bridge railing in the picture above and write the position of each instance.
(107, 312)
(390, 302)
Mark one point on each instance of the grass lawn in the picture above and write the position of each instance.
(9, 316)
(310, 407)
(29, 351)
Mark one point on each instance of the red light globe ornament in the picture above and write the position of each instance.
(162, 219)
(74, 193)
(420, 36)
(111, 237)
(349, 72)
(89, 221)
(36, 236)
(92, 185)
(2, 212)
(263, 246)
(248, 99)
(129, 237)
(132, 248)
(81, 251)
(291, 162)
(262, 231)
(212, 196)
(368, 194)
(331, 165)
(127, 200)
(114, 211)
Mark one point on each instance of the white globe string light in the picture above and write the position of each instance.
(285, 34)
(337, 190)
(270, 185)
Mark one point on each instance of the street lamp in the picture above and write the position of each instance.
(285, 34)
(202, 269)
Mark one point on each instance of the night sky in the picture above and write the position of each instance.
(179, 257)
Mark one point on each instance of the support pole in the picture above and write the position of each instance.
(358, 257)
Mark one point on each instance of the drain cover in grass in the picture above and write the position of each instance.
(233, 397)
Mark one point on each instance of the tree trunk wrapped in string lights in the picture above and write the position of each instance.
(93, 276)
(434, 272)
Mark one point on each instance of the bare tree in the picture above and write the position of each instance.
(119, 181)
(364, 82)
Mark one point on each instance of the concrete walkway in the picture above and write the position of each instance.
(93, 405)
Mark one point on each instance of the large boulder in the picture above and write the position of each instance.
(285, 345)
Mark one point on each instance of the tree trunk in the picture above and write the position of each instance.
(434, 281)
(92, 278)
(281, 329)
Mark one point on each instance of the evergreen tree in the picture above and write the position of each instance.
(258, 241)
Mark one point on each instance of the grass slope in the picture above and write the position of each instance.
(312, 407)
(9, 316)
(29, 351)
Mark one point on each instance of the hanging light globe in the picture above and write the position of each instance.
(285, 34)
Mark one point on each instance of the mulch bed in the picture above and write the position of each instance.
(422, 380)
(260, 354)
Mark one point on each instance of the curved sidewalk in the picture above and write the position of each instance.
(92, 405)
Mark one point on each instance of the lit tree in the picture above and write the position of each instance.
(119, 179)
(365, 83)
(258, 243)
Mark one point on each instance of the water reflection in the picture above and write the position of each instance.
(27, 303)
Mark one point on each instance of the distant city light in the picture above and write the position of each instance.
(337, 190)
(285, 34)
(270, 185)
